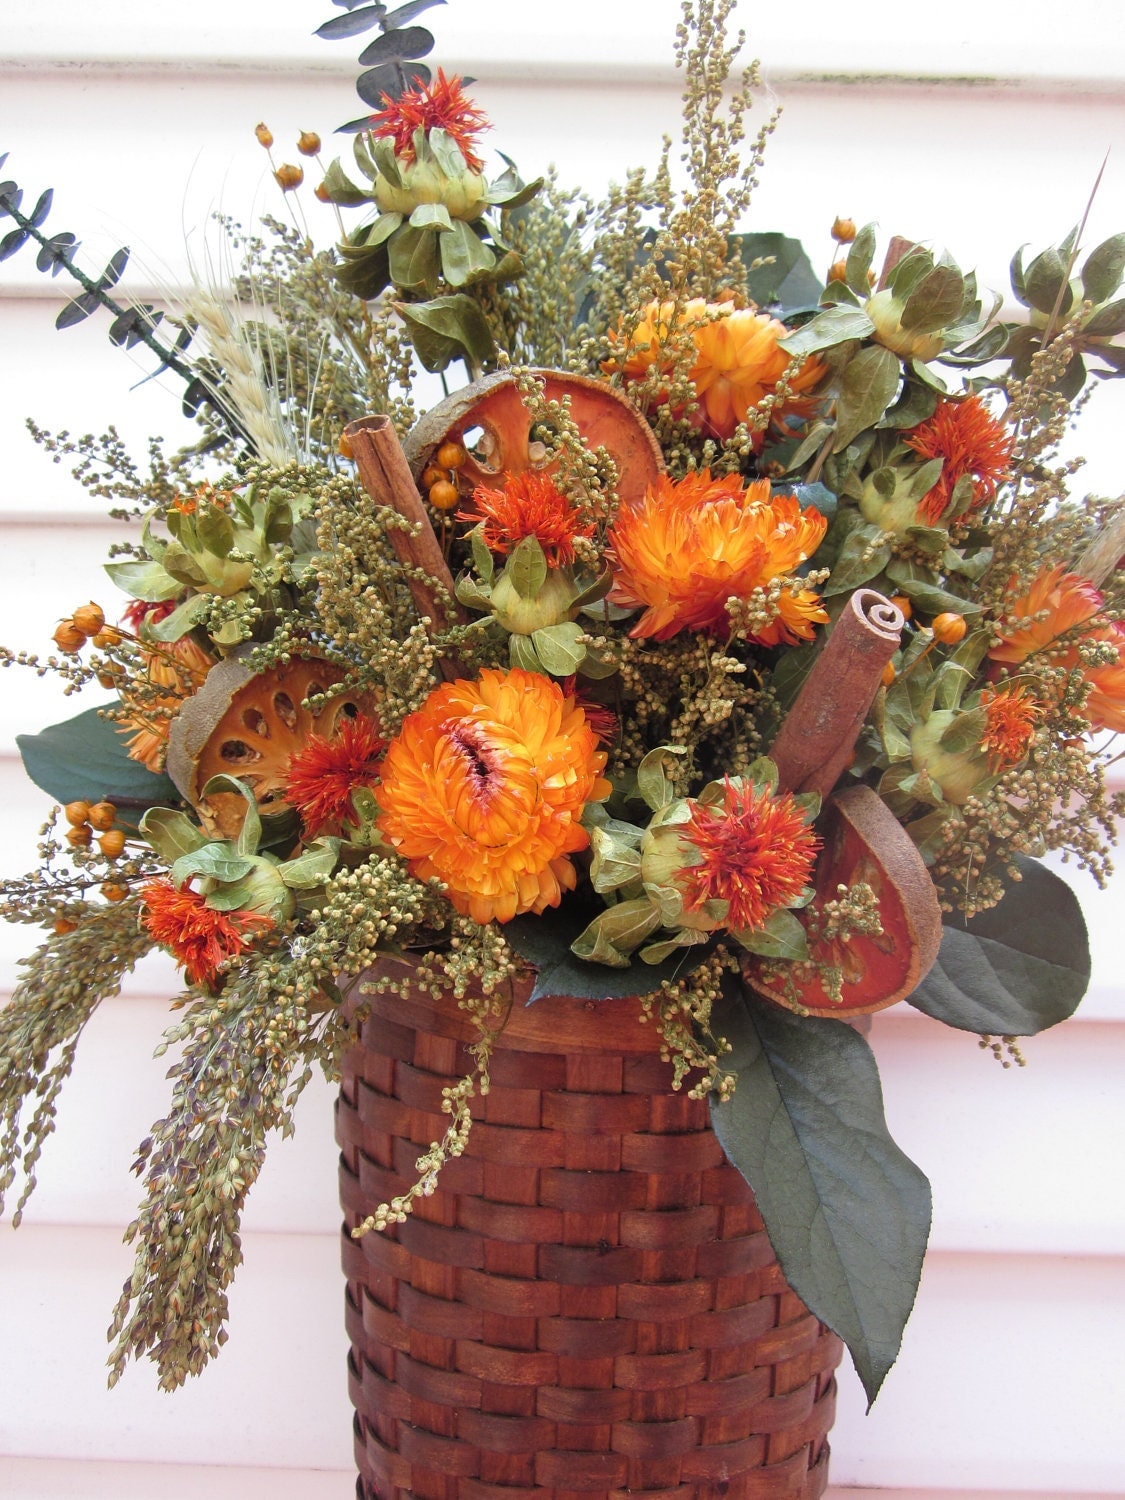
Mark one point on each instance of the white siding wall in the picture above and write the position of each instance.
(979, 127)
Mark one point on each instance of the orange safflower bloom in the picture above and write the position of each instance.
(1105, 707)
(321, 775)
(1063, 599)
(441, 105)
(203, 940)
(737, 361)
(758, 855)
(689, 546)
(1012, 714)
(970, 440)
(483, 789)
(530, 504)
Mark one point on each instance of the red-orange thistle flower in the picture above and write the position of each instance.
(1064, 600)
(687, 547)
(484, 789)
(971, 441)
(201, 939)
(322, 774)
(737, 361)
(530, 504)
(1012, 714)
(441, 105)
(758, 854)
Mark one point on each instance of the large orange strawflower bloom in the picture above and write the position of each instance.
(758, 855)
(737, 362)
(483, 789)
(1064, 600)
(1011, 714)
(320, 777)
(1105, 707)
(443, 105)
(689, 546)
(201, 939)
(530, 504)
(971, 441)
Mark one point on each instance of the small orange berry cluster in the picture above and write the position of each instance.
(439, 479)
(87, 623)
(85, 818)
(290, 175)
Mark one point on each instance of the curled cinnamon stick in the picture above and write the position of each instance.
(816, 738)
(387, 479)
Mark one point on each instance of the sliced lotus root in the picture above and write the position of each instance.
(864, 841)
(493, 409)
(248, 726)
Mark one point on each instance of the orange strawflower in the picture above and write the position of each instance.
(1105, 707)
(530, 504)
(758, 855)
(321, 775)
(688, 547)
(970, 440)
(1012, 714)
(200, 938)
(600, 717)
(1063, 599)
(441, 105)
(483, 789)
(737, 362)
(177, 670)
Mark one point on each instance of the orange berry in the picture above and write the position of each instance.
(344, 446)
(80, 838)
(106, 637)
(112, 890)
(889, 674)
(870, 277)
(63, 925)
(450, 455)
(843, 231)
(289, 176)
(433, 475)
(903, 604)
(321, 192)
(264, 134)
(77, 813)
(443, 495)
(112, 844)
(103, 815)
(308, 143)
(838, 271)
(949, 628)
(89, 618)
(68, 637)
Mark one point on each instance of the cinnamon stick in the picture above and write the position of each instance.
(816, 739)
(387, 479)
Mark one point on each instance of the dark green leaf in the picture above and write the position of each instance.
(858, 263)
(12, 242)
(545, 940)
(350, 24)
(372, 85)
(1107, 321)
(1101, 275)
(75, 312)
(341, 189)
(397, 46)
(403, 13)
(84, 758)
(866, 390)
(915, 404)
(414, 258)
(114, 269)
(463, 255)
(847, 1213)
(42, 208)
(1015, 969)
(935, 302)
(920, 585)
(833, 326)
(787, 281)
(1045, 278)
(860, 559)
(448, 328)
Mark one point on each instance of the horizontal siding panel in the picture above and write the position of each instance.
(1008, 1378)
(586, 37)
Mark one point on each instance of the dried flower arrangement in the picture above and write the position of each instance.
(730, 644)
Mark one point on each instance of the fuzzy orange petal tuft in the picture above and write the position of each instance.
(201, 939)
(1012, 714)
(322, 774)
(530, 504)
(971, 441)
(687, 547)
(483, 789)
(441, 105)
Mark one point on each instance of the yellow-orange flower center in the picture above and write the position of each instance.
(483, 789)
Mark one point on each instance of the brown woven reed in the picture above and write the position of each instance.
(588, 1305)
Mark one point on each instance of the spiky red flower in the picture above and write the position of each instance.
(530, 504)
(1012, 714)
(758, 854)
(971, 441)
(142, 612)
(200, 938)
(442, 105)
(323, 773)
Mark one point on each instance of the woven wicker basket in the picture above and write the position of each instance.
(588, 1305)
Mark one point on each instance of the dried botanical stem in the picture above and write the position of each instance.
(819, 731)
(1106, 550)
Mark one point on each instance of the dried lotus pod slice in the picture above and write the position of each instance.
(864, 841)
(505, 445)
(248, 726)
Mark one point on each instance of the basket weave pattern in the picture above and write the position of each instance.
(588, 1304)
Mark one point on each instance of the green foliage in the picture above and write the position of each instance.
(84, 758)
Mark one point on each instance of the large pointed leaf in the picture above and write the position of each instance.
(84, 758)
(1016, 969)
(847, 1213)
